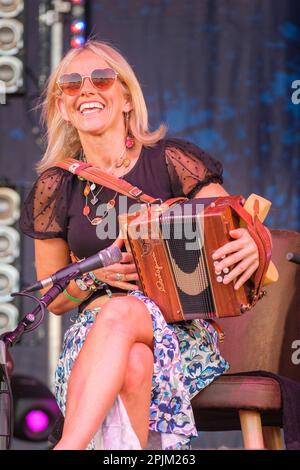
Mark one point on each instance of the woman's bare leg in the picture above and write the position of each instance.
(136, 391)
(100, 369)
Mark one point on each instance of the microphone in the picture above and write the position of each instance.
(101, 259)
(293, 257)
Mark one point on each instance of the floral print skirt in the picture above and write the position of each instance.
(186, 359)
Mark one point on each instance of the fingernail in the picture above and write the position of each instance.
(225, 279)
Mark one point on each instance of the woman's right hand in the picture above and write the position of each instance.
(118, 274)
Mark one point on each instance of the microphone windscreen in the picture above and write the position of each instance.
(111, 255)
(293, 257)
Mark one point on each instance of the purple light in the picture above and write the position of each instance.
(37, 421)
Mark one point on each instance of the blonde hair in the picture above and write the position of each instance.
(62, 138)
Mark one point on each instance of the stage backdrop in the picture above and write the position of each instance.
(218, 72)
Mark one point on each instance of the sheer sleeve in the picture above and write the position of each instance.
(190, 168)
(44, 212)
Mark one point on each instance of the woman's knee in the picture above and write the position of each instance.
(139, 370)
(117, 310)
(125, 314)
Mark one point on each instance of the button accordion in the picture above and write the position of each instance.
(172, 248)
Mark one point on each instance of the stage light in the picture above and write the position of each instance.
(77, 41)
(9, 244)
(12, 21)
(11, 8)
(35, 407)
(11, 36)
(36, 421)
(78, 23)
(77, 27)
(9, 205)
(9, 281)
(11, 74)
(8, 317)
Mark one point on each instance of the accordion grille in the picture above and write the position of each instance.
(188, 262)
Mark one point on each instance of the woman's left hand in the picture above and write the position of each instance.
(242, 253)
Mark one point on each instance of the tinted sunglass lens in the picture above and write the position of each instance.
(70, 83)
(103, 79)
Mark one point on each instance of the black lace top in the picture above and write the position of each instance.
(54, 206)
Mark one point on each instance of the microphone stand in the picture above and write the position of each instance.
(9, 339)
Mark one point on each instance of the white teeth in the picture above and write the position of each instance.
(90, 111)
(92, 104)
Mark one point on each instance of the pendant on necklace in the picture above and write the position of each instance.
(93, 186)
(86, 210)
(94, 200)
(96, 220)
(110, 204)
(126, 162)
(86, 190)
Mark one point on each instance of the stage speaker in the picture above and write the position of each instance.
(10, 256)
(12, 25)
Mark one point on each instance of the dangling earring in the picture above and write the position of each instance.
(129, 140)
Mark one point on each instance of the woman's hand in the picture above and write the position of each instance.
(243, 253)
(119, 274)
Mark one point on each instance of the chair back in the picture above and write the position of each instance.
(268, 336)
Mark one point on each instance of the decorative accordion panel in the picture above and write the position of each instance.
(173, 249)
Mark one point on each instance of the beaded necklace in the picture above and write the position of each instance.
(86, 210)
(123, 160)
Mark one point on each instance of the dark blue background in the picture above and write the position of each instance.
(218, 72)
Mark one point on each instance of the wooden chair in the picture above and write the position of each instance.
(260, 340)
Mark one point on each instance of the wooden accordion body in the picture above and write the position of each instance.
(173, 249)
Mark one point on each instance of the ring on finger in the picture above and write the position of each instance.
(119, 277)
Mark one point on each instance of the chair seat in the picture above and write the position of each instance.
(240, 392)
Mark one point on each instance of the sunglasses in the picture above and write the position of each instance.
(102, 79)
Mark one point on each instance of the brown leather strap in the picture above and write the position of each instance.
(95, 175)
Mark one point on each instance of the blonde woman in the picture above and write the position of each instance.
(122, 369)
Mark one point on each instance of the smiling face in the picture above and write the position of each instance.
(93, 111)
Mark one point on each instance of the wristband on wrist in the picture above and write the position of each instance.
(74, 299)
